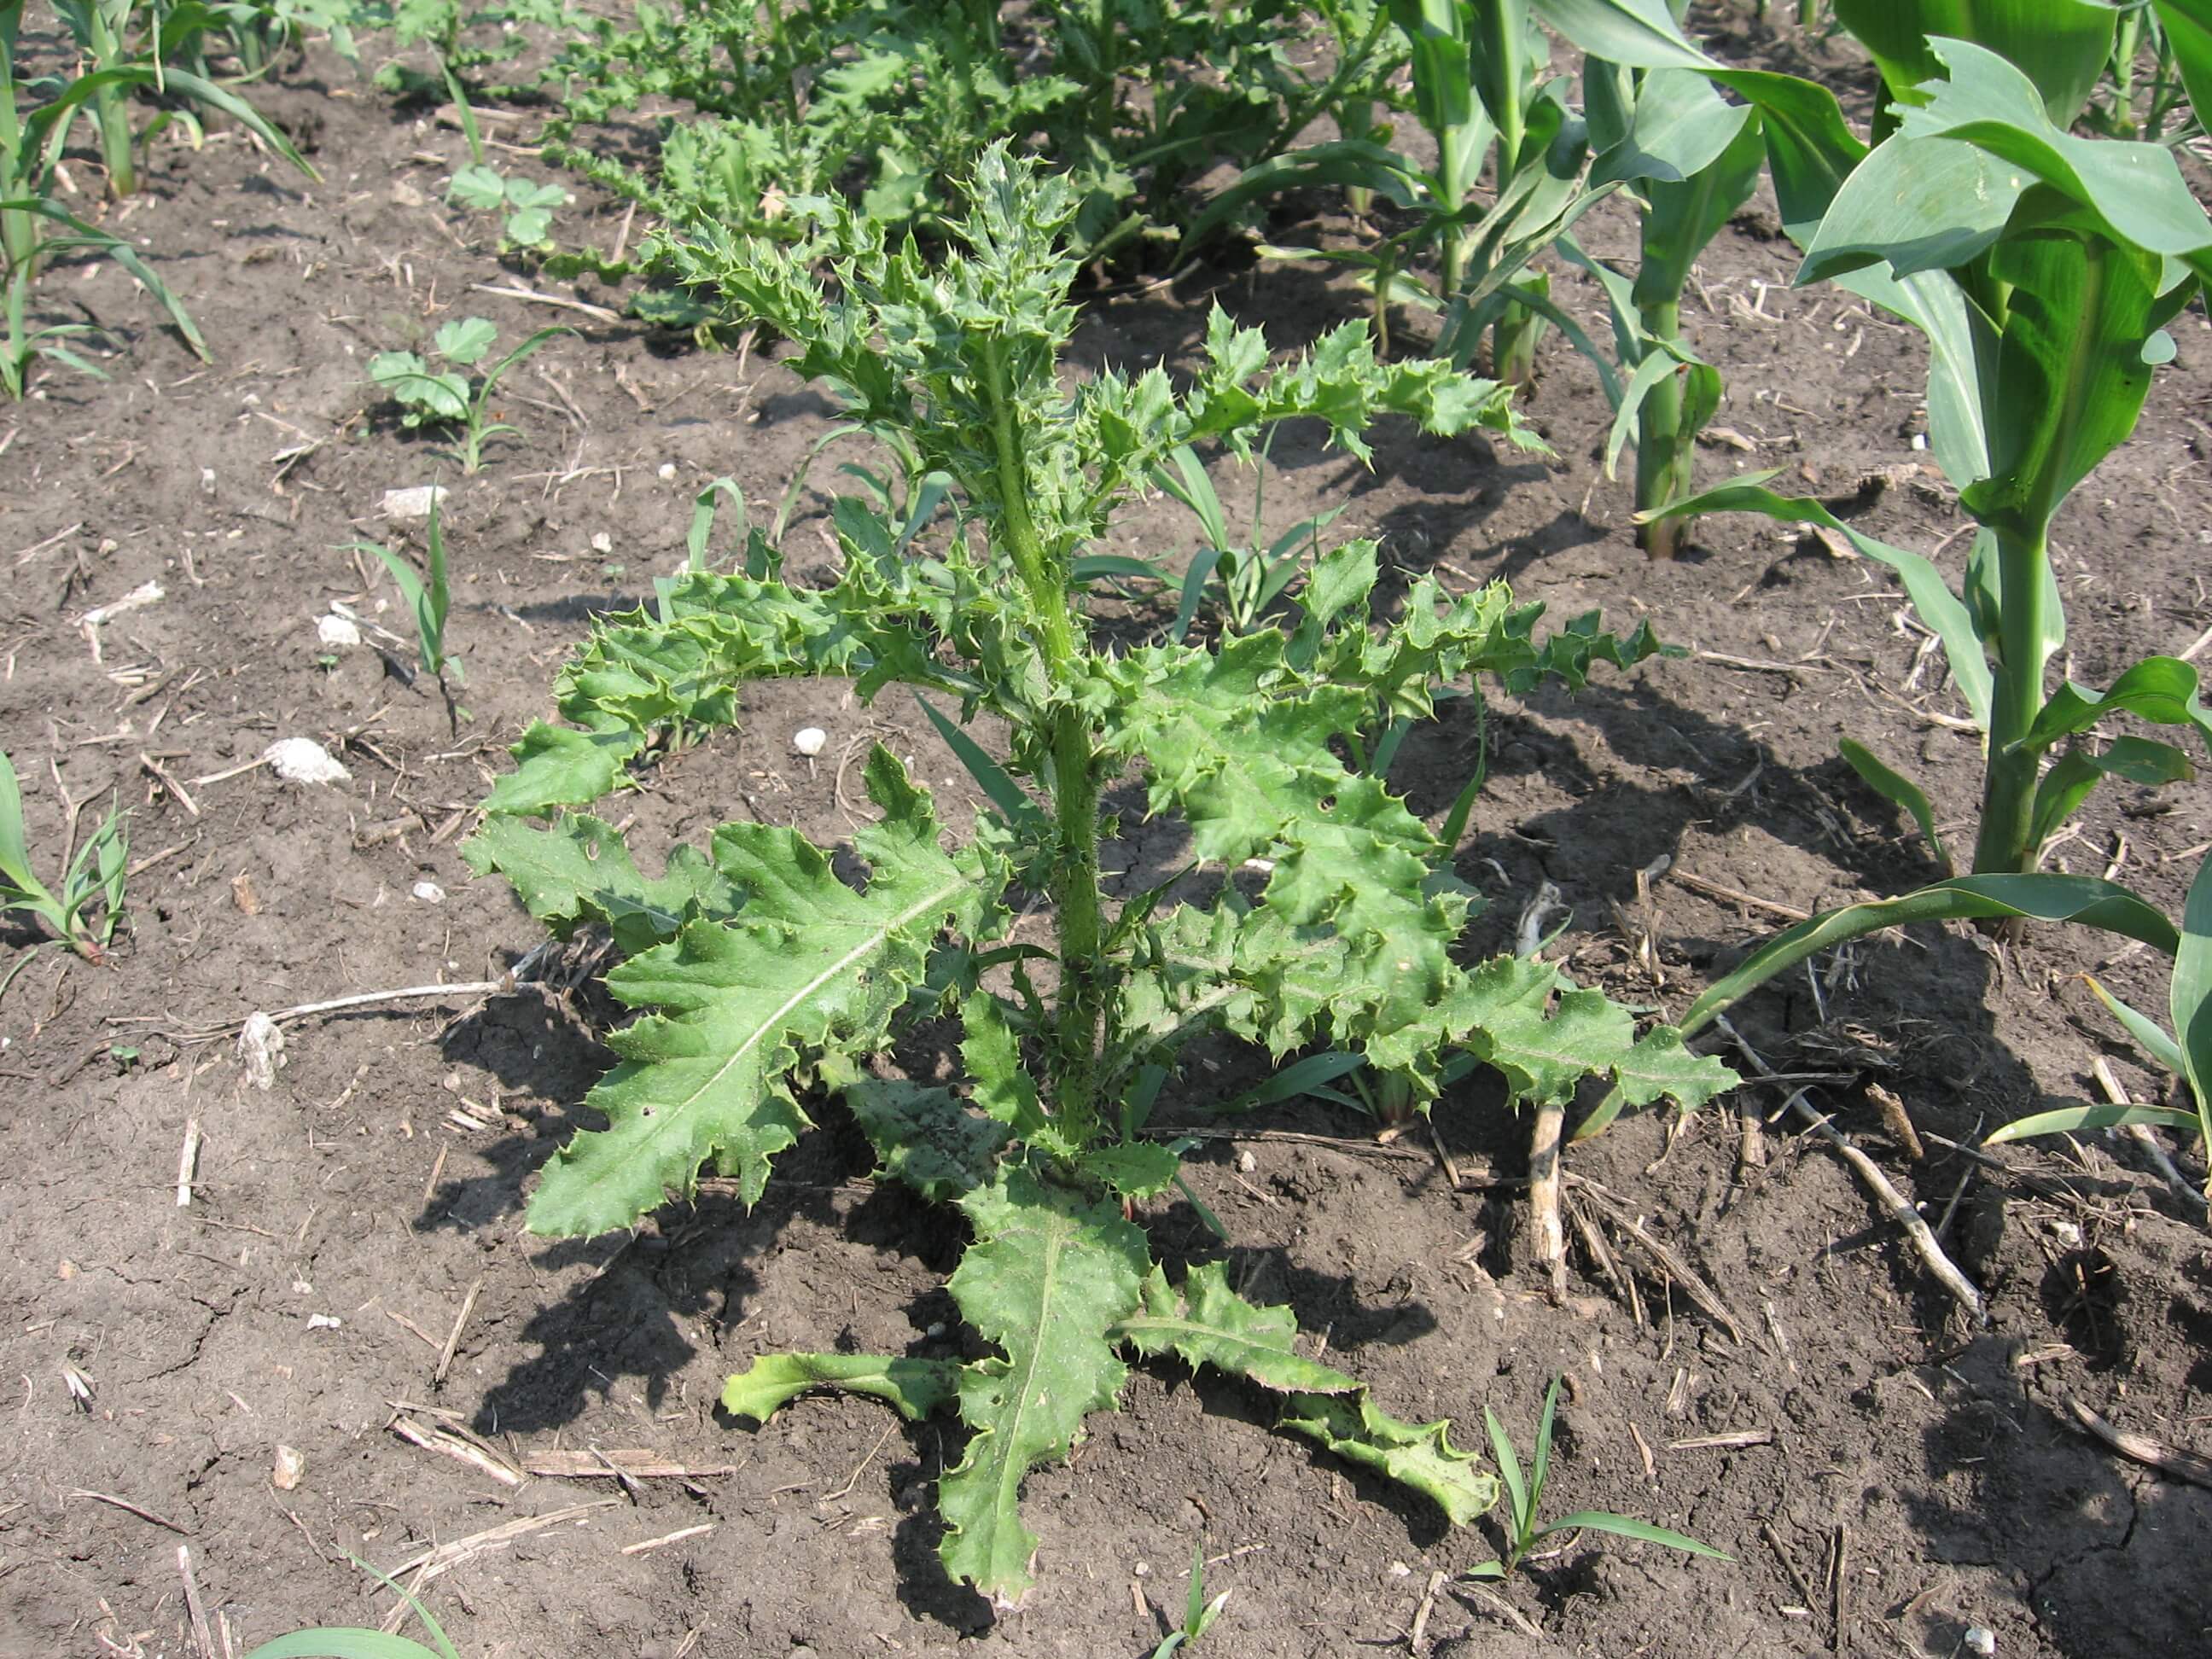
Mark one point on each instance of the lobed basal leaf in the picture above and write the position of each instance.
(1049, 1278)
(914, 1388)
(579, 872)
(808, 966)
(1416, 1454)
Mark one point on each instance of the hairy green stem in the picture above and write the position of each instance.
(1081, 1018)
(2015, 699)
(1664, 453)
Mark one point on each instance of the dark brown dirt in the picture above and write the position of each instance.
(1896, 1475)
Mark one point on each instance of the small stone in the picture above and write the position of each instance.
(1246, 1163)
(810, 740)
(603, 543)
(1979, 1638)
(666, 470)
(428, 892)
(260, 1049)
(324, 1321)
(291, 1464)
(68, 1269)
(336, 631)
(413, 503)
(302, 760)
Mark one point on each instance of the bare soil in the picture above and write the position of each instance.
(1884, 1474)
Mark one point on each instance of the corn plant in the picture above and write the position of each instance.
(129, 46)
(2184, 1053)
(1691, 161)
(2042, 266)
(1244, 581)
(428, 597)
(85, 913)
(1476, 70)
(344, 1642)
(1525, 1526)
(448, 396)
(767, 977)
(1198, 1613)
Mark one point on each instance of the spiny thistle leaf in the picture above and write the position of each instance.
(1419, 1455)
(1135, 1168)
(914, 1388)
(579, 872)
(926, 1136)
(639, 673)
(1206, 1323)
(1003, 1088)
(1505, 1017)
(808, 966)
(1048, 1276)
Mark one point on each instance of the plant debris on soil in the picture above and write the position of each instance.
(280, 1325)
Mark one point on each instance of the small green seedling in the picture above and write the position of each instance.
(429, 596)
(95, 878)
(1243, 582)
(1198, 1613)
(1524, 1494)
(448, 396)
(528, 203)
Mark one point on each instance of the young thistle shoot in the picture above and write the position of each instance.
(764, 982)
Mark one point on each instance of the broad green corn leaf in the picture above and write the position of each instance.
(913, 1387)
(2078, 1119)
(1048, 1277)
(1899, 791)
(14, 848)
(2071, 371)
(1916, 205)
(1678, 127)
(2076, 773)
(2189, 998)
(2059, 45)
(578, 872)
(1419, 1455)
(1939, 607)
(1206, 1323)
(926, 1136)
(2161, 689)
(807, 965)
(2087, 900)
(2134, 192)
(2188, 26)
(342, 1641)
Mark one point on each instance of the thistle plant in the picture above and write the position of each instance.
(764, 982)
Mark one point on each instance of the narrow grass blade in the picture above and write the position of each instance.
(991, 778)
(2190, 997)
(1899, 791)
(1621, 1527)
(1309, 1076)
(2143, 1029)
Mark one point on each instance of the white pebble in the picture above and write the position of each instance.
(810, 740)
(603, 543)
(667, 471)
(1979, 1638)
(336, 631)
(430, 892)
(413, 503)
(302, 760)
(261, 1048)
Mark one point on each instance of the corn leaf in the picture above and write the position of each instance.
(2188, 26)
(2059, 45)
(1049, 1276)
(807, 965)
(2189, 998)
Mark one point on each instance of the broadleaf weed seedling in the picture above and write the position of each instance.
(448, 396)
(761, 979)
(1525, 1526)
(92, 881)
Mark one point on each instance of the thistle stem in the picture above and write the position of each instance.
(1080, 1016)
